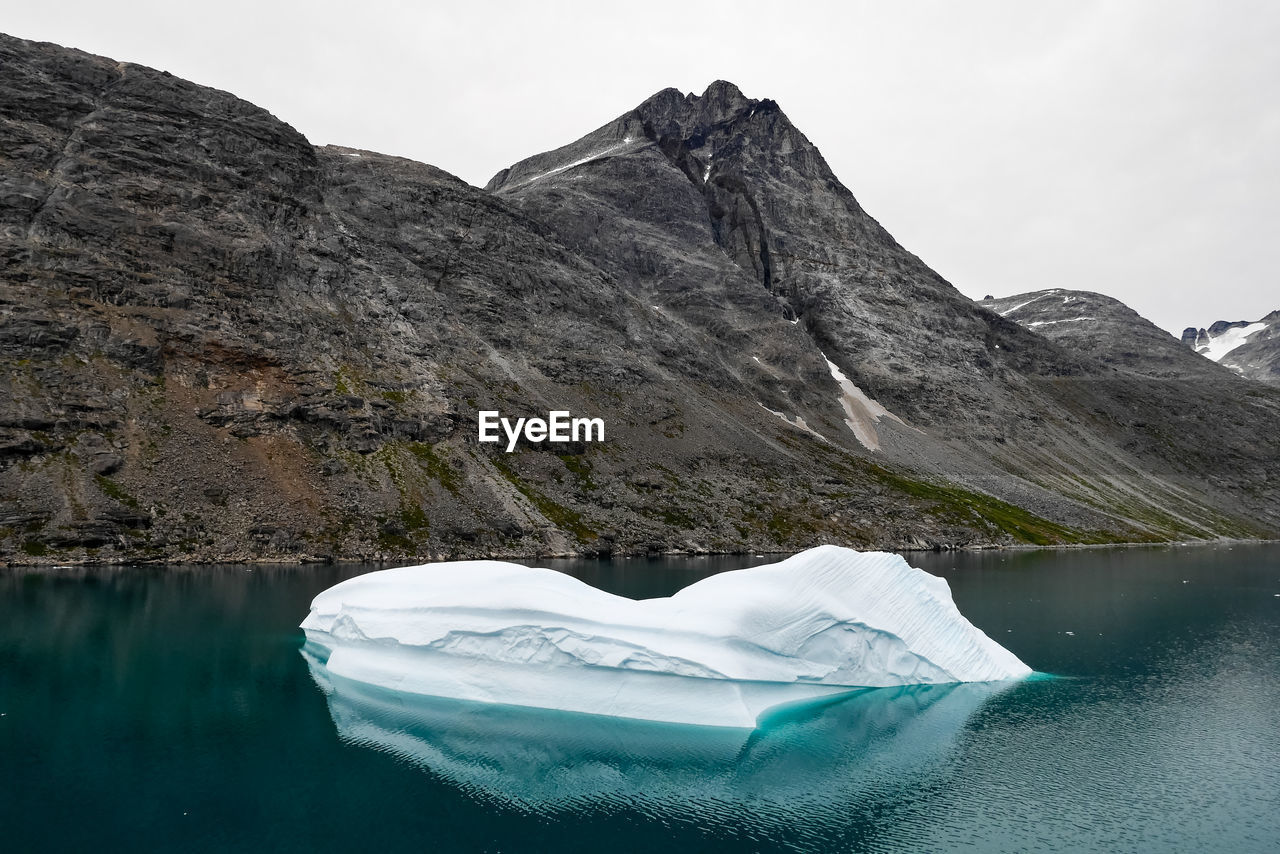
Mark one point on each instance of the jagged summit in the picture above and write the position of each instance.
(674, 120)
(692, 131)
(720, 95)
(721, 101)
(718, 89)
(725, 175)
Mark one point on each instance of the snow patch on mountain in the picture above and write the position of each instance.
(1035, 323)
(1011, 309)
(1216, 347)
(795, 421)
(612, 149)
(861, 412)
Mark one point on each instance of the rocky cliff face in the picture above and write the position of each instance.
(220, 342)
(1250, 349)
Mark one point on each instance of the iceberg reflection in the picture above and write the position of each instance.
(801, 761)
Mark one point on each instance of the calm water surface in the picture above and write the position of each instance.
(172, 709)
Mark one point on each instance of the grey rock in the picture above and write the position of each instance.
(106, 464)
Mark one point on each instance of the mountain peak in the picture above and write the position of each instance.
(676, 123)
(719, 88)
(721, 93)
(671, 112)
(724, 92)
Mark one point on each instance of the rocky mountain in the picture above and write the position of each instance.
(1106, 328)
(686, 189)
(1250, 349)
(221, 342)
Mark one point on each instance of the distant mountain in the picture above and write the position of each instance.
(221, 342)
(1250, 349)
(1091, 323)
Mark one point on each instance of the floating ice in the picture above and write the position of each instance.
(719, 652)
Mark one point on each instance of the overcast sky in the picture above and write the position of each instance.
(1131, 148)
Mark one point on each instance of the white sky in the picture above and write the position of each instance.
(1131, 148)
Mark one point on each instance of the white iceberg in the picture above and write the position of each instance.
(719, 652)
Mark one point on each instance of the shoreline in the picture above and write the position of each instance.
(410, 561)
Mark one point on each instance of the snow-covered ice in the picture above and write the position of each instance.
(1222, 344)
(719, 652)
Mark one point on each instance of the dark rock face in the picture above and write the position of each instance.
(1253, 351)
(687, 184)
(220, 342)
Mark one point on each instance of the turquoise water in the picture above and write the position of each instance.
(173, 709)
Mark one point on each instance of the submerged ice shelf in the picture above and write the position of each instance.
(719, 652)
(550, 761)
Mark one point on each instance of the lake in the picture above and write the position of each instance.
(172, 709)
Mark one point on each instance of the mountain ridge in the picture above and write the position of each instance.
(224, 343)
(1111, 330)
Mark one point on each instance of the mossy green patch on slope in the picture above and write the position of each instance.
(960, 506)
(111, 489)
(955, 505)
(436, 467)
(410, 524)
(557, 514)
(581, 469)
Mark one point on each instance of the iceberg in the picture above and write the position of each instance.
(721, 652)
